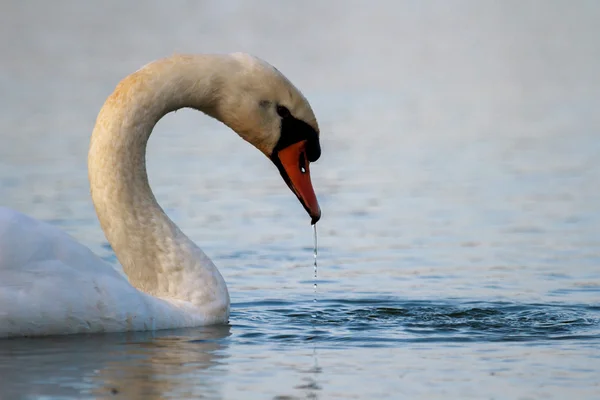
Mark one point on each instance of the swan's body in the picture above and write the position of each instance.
(57, 286)
(51, 284)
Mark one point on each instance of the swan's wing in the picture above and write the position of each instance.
(25, 240)
(51, 284)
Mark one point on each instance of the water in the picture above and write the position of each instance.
(459, 245)
(315, 260)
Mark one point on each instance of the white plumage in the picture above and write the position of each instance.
(51, 284)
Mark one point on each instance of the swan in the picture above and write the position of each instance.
(50, 284)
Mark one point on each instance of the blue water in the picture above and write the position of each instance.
(459, 248)
(274, 348)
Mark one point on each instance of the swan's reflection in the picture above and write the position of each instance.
(148, 365)
(310, 384)
(180, 366)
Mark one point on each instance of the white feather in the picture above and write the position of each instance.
(51, 284)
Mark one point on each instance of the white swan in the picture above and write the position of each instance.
(50, 284)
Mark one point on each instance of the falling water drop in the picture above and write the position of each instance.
(316, 368)
(315, 263)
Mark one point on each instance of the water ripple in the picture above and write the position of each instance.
(383, 322)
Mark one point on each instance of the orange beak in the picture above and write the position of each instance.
(294, 168)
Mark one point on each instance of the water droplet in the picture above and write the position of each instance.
(315, 265)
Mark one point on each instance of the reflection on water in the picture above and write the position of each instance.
(272, 339)
(459, 244)
(133, 365)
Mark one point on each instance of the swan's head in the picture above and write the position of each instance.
(268, 111)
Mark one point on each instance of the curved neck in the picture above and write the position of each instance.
(156, 256)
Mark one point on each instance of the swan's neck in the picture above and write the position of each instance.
(156, 256)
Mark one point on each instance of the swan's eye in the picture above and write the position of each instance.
(302, 163)
(283, 112)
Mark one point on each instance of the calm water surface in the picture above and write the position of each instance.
(460, 241)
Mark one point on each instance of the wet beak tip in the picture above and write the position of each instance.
(315, 218)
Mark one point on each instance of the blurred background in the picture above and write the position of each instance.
(458, 136)
(461, 154)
